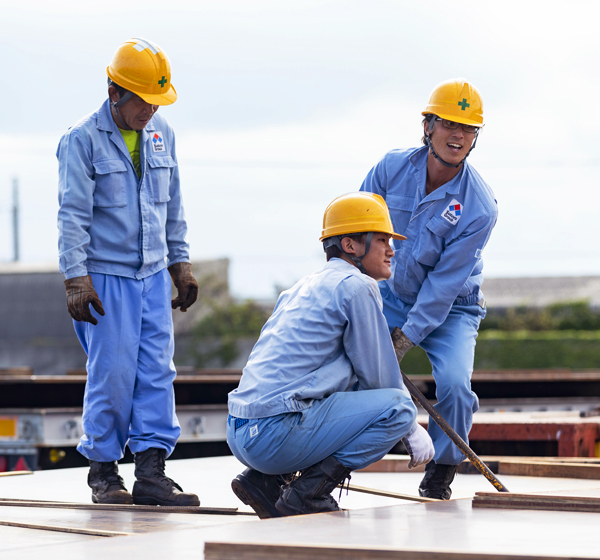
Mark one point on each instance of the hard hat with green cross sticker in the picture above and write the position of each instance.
(142, 67)
(456, 100)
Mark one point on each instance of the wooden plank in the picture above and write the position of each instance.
(575, 439)
(528, 375)
(91, 532)
(536, 502)
(523, 375)
(187, 375)
(385, 493)
(15, 473)
(508, 496)
(392, 463)
(549, 469)
(480, 375)
(80, 377)
(579, 460)
(11, 371)
(559, 467)
(266, 551)
(535, 506)
(530, 465)
(123, 507)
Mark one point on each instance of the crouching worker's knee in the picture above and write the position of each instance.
(403, 410)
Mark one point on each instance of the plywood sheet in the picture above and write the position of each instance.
(248, 551)
(123, 522)
(537, 502)
(437, 530)
(549, 469)
(394, 528)
(193, 510)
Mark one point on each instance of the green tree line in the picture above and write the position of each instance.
(563, 335)
(578, 316)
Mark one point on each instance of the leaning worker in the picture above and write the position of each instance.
(434, 296)
(322, 391)
(122, 232)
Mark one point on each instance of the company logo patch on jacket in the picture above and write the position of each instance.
(158, 143)
(453, 212)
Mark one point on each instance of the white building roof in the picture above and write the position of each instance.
(541, 291)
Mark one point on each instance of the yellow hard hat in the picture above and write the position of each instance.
(358, 212)
(142, 67)
(456, 100)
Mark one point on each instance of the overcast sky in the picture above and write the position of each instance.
(284, 105)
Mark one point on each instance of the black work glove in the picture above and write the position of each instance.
(80, 293)
(401, 343)
(187, 287)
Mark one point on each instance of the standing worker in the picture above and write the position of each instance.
(121, 227)
(322, 391)
(447, 212)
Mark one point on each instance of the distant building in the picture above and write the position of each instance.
(541, 292)
(36, 330)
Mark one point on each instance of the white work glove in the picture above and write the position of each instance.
(419, 446)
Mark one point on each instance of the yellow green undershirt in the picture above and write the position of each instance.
(132, 141)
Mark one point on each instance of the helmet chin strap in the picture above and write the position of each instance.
(336, 240)
(436, 156)
(116, 104)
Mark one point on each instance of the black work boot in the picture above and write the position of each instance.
(152, 487)
(106, 484)
(311, 492)
(437, 480)
(259, 491)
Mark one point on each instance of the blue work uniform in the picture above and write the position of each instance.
(123, 230)
(321, 380)
(434, 293)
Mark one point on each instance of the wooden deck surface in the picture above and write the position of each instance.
(371, 526)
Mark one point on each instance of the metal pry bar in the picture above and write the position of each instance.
(441, 422)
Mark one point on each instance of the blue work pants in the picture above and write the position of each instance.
(356, 427)
(129, 397)
(451, 351)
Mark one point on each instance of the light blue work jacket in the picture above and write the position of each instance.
(326, 334)
(440, 263)
(110, 221)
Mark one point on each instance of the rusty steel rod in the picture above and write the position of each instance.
(450, 432)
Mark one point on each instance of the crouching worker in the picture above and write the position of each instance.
(322, 392)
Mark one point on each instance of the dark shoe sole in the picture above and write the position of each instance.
(150, 501)
(435, 494)
(125, 500)
(285, 510)
(250, 495)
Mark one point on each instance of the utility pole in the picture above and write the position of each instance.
(15, 220)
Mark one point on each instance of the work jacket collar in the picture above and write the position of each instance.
(419, 162)
(341, 264)
(106, 123)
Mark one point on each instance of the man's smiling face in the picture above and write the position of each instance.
(452, 145)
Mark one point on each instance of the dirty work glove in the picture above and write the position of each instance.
(419, 446)
(187, 287)
(80, 293)
(401, 343)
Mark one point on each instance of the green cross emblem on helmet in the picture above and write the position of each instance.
(162, 81)
(463, 104)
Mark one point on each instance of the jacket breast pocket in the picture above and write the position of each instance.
(159, 173)
(401, 208)
(111, 183)
(432, 241)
